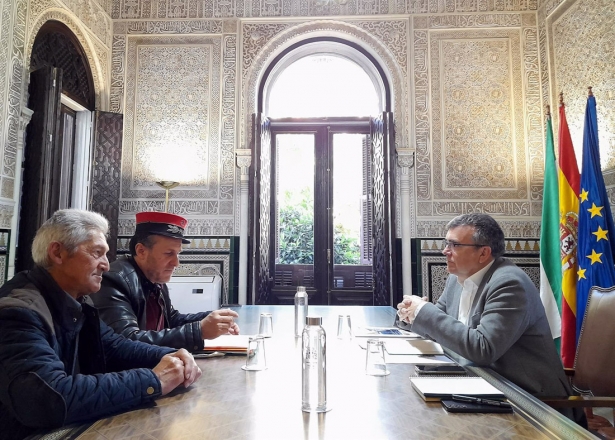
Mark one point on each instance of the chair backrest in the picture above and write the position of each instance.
(595, 359)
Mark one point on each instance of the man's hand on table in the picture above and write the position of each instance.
(175, 369)
(219, 322)
(407, 309)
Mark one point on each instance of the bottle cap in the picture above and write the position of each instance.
(300, 288)
(313, 320)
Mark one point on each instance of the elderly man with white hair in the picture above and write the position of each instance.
(59, 363)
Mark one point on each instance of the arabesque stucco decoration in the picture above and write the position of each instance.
(96, 53)
(586, 30)
(89, 12)
(470, 80)
(183, 9)
(12, 47)
(177, 93)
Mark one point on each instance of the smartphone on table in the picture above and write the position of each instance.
(439, 369)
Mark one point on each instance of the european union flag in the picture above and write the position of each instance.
(596, 233)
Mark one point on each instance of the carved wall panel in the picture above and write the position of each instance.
(178, 94)
(584, 55)
(12, 46)
(183, 9)
(470, 84)
(97, 53)
(172, 111)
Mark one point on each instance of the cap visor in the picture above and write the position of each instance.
(184, 241)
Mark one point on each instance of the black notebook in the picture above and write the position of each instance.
(438, 388)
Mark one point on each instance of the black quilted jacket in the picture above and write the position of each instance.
(59, 364)
(121, 304)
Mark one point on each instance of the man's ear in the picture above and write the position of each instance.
(485, 254)
(139, 250)
(54, 251)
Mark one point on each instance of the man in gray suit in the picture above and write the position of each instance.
(490, 312)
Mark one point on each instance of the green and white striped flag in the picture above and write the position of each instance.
(550, 261)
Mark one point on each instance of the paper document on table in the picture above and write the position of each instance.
(437, 388)
(383, 332)
(419, 359)
(412, 346)
(228, 344)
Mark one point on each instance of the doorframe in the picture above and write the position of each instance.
(323, 130)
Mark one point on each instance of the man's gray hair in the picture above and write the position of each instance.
(486, 231)
(70, 227)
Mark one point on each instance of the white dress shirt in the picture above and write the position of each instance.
(468, 292)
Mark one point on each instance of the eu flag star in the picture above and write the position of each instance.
(584, 195)
(595, 257)
(595, 210)
(581, 273)
(601, 234)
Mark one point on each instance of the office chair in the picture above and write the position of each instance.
(592, 375)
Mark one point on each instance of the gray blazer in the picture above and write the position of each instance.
(507, 329)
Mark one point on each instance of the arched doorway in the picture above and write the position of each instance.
(62, 97)
(323, 211)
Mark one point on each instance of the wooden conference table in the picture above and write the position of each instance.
(230, 403)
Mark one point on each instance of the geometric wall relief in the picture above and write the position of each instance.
(584, 55)
(172, 124)
(478, 126)
(181, 9)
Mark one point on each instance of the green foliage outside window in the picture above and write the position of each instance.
(296, 229)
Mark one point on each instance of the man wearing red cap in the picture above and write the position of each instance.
(134, 299)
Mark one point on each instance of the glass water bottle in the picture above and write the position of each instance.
(314, 372)
(301, 310)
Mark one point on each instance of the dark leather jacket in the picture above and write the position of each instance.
(121, 304)
(59, 364)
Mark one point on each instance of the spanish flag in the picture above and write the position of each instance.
(569, 181)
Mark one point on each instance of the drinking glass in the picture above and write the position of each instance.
(265, 325)
(255, 357)
(344, 327)
(375, 363)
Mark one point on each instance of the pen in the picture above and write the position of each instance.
(480, 401)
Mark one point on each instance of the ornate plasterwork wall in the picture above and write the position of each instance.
(92, 14)
(577, 51)
(477, 118)
(20, 21)
(175, 84)
(12, 44)
(586, 30)
(96, 47)
(178, 9)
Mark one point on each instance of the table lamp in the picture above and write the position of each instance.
(167, 185)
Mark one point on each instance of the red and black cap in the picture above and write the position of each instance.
(162, 223)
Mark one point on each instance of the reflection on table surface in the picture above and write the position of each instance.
(230, 403)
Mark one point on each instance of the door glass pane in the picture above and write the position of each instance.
(66, 164)
(294, 187)
(352, 219)
(303, 87)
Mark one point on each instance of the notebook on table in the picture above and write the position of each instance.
(438, 388)
(227, 344)
(412, 346)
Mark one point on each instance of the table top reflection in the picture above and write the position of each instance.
(230, 403)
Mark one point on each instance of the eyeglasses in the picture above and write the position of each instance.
(446, 244)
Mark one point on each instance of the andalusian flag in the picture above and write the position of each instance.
(596, 232)
(569, 181)
(550, 268)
